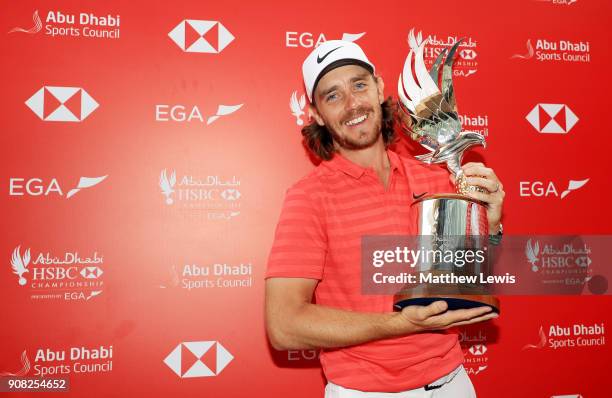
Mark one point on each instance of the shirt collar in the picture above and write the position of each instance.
(339, 162)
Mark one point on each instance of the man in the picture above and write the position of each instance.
(361, 188)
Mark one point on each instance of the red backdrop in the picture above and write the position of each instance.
(170, 247)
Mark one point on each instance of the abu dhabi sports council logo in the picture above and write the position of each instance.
(182, 113)
(62, 104)
(547, 189)
(552, 118)
(465, 63)
(198, 36)
(216, 197)
(54, 362)
(555, 51)
(68, 276)
(63, 24)
(217, 275)
(36, 27)
(297, 107)
(198, 359)
(474, 345)
(39, 187)
(310, 40)
(577, 335)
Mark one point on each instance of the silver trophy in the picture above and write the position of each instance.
(450, 221)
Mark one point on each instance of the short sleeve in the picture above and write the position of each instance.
(300, 242)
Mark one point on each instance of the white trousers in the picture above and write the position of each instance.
(456, 384)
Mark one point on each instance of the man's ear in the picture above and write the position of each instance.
(315, 114)
(380, 85)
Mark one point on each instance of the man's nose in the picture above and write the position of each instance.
(351, 101)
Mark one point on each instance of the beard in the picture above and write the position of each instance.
(360, 139)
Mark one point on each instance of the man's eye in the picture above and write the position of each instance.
(331, 97)
(360, 85)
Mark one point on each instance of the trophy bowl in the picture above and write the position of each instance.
(457, 222)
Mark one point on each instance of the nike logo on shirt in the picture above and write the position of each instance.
(415, 196)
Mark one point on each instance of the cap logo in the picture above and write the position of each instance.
(321, 59)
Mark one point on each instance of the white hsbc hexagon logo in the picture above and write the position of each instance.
(230, 194)
(91, 272)
(62, 104)
(467, 54)
(552, 118)
(197, 36)
(204, 359)
(478, 349)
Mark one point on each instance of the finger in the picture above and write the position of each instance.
(475, 320)
(490, 185)
(464, 314)
(433, 309)
(454, 316)
(479, 170)
(483, 197)
(470, 164)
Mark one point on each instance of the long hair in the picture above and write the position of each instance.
(320, 142)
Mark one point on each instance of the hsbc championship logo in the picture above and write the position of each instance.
(465, 63)
(62, 104)
(67, 276)
(215, 197)
(196, 36)
(474, 346)
(560, 260)
(198, 359)
(552, 118)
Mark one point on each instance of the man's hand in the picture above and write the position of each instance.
(414, 318)
(293, 322)
(479, 175)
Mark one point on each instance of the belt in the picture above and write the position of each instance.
(442, 380)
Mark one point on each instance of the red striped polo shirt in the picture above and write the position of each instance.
(318, 236)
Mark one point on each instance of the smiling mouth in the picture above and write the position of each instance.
(356, 120)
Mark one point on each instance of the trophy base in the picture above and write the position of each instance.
(455, 302)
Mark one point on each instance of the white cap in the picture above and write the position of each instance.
(330, 55)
